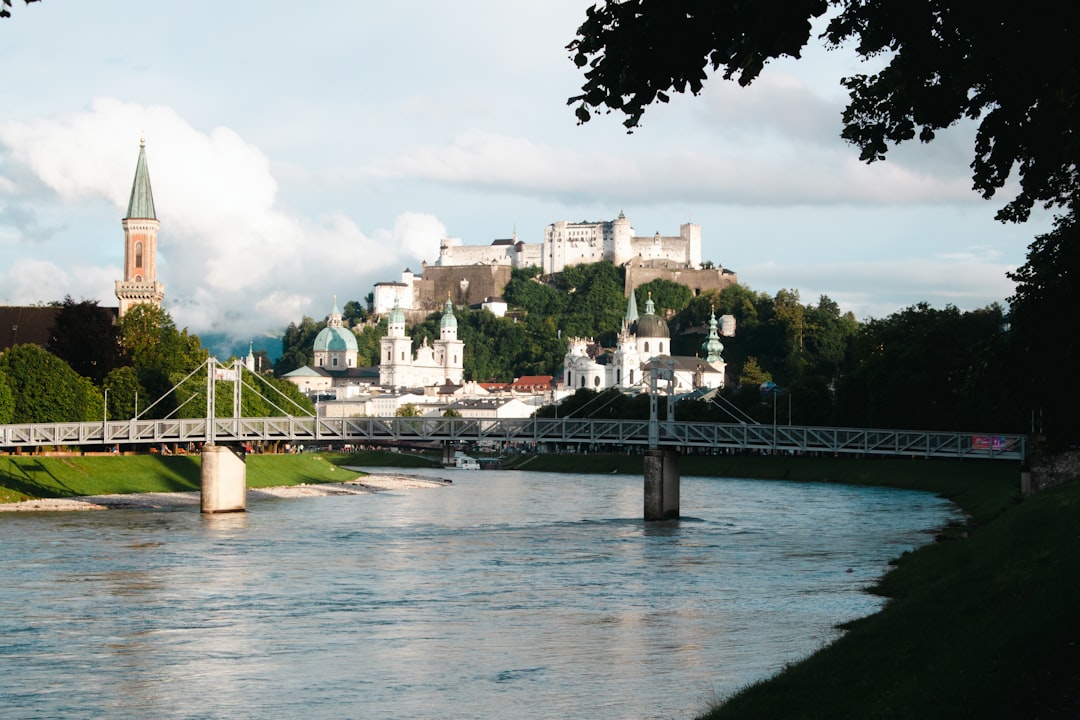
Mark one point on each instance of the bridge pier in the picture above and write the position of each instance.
(224, 479)
(661, 484)
(447, 453)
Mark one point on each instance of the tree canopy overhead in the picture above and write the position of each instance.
(1011, 67)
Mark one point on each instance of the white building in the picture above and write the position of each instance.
(430, 365)
(641, 340)
(574, 243)
(402, 294)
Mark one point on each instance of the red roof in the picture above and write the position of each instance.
(533, 381)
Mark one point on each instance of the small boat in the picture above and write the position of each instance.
(464, 462)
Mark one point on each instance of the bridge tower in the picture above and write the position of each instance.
(140, 225)
(223, 473)
(662, 478)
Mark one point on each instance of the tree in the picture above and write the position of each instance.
(1047, 292)
(46, 389)
(7, 400)
(297, 345)
(87, 338)
(407, 410)
(5, 4)
(667, 295)
(355, 312)
(125, 392)
(160, 354)
(1011, 67)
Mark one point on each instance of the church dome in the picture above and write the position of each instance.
(651, 325)
(448, 318)
(397, 317)
(331, 339)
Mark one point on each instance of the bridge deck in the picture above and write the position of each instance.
(531, 432)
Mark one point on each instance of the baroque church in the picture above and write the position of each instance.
(641, 341)
(436, 364)
(335, 353)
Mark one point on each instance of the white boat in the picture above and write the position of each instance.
(464, 462)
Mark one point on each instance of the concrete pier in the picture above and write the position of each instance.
(661, 484)
(224, 479)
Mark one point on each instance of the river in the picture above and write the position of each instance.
(505, 595)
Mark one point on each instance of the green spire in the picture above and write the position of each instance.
(448, 318)
(631, 310)
(712, 345)
(141, 205)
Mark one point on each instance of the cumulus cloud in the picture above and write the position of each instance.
(231, 259)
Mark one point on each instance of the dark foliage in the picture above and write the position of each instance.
(87, 338)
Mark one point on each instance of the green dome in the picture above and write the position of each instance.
(397, 317)
(448, 318)
(332, 339)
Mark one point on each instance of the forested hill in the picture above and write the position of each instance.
(920, 367)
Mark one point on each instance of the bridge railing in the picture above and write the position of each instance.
(530, 431)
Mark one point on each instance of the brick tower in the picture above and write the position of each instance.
(140, 225)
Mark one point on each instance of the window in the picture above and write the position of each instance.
(596, 381)
(138, 254)
(646, 346)
(334, 361)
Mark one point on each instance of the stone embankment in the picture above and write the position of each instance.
(361, 486)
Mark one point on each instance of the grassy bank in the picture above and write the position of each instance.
(25, 477)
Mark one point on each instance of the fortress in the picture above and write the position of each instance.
(473, 274)
(569, 243)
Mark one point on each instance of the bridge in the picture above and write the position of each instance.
(224, 474)
(532, 432)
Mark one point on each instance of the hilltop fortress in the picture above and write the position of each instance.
(476, 274)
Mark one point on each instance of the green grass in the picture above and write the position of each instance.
(26, 477)
(983, 626)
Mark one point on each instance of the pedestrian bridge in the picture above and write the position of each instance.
(530, 433)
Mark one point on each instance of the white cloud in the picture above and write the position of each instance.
(231, 259)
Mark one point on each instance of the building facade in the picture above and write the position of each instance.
(642, 341)
(575, 243)
(436, 364)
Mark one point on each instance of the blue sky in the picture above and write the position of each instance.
(300, 151)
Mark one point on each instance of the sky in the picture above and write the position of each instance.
(301, 152)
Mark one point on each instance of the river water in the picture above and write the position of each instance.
(506, 595)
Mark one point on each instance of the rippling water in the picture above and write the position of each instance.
(507, 595)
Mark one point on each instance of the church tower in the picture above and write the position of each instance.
(140, 225)
(396, 350)
(450, 351)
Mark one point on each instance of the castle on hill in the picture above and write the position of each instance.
(476, 275)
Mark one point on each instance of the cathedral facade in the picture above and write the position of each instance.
(436, 364)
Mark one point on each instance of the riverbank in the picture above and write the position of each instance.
(981, 623)
(149, 481)
(363, 485)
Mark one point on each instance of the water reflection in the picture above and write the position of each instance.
(474, 600)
